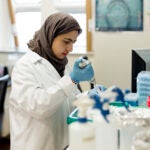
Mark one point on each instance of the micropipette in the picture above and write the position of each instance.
(82, 65)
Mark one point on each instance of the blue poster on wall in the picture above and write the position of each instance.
(119, 15)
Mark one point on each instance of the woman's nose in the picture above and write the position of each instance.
(70, 47)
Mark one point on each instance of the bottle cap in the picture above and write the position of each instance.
(148, 101)
(83, 103)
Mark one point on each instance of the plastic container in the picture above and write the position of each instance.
(129, 125)
(142, 101)
(82, 136)
(73, 116)
(105, 130)
(82, 132)
(126, 136)
(105, 133)
(143, 87)
(131, 99)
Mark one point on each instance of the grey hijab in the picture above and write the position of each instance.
(56, 24)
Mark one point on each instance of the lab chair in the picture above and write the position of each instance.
(4, 78)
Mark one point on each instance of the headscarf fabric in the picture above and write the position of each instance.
(56, 24)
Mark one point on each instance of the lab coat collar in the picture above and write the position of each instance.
(34, 57)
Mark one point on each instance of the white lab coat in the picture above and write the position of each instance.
(40, 102)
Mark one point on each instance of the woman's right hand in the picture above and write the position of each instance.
(81, 74)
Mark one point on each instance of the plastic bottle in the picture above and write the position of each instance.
(82, 132)
(105, 130)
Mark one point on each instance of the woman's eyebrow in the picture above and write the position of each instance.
(70, 40)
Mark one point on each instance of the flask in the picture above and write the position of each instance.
(82, 132)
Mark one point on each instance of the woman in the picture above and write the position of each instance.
(43, 87)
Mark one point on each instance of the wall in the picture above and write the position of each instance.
(5, 27)
(112, 59)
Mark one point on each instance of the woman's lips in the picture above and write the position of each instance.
(64, 54)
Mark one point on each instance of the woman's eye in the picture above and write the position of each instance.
(66, 42)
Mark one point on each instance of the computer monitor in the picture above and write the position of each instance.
(140, 62)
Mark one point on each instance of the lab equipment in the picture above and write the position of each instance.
(130, 124)
(99, 105)
(131, 99)
(143, 87)
(120, 96)
(105, 126)
(105, 122)
(83, 64)
(78, 73)
(104, 98)
(116, 124)
(82, 132)
(140, 62)
(96, 89)
(141, 140)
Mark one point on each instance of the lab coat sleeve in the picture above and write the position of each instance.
(31, 97)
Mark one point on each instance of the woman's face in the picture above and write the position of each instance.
(63, 44)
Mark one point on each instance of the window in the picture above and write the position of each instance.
(26, 27)
(28, 20)
(80, 45)
(26, 1)
(71, 1)
(78, 4)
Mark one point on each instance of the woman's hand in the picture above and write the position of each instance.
(81, 74)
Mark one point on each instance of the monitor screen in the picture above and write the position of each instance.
(140, 62)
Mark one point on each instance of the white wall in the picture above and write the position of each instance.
(5, 27)
(112, 59)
